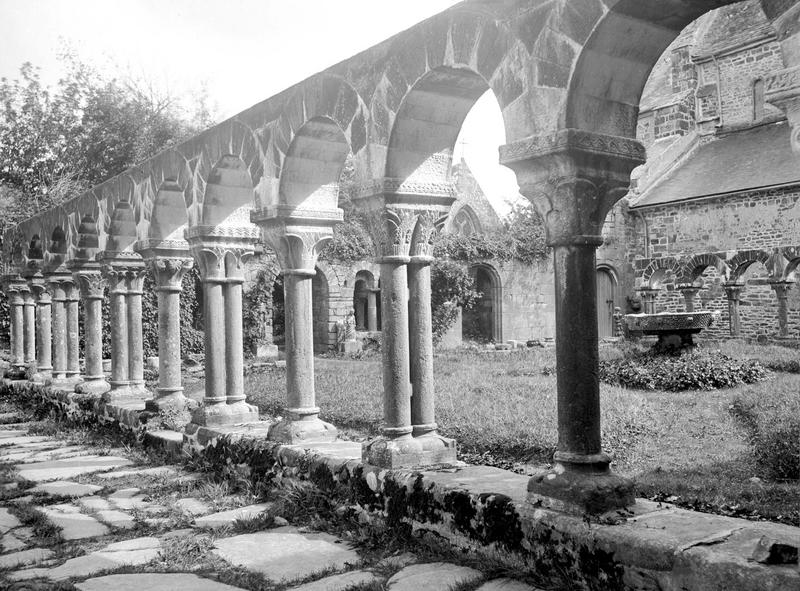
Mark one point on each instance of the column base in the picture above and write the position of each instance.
(174, 410)
(223, 415)
(15, 373)
(123, 393)
(299, 431)
(402, 452)
(581, 487)
(441, 450)
(93, 386)
(41, 376)
(67, 383)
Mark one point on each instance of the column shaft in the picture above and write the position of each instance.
(119, 339)
(234, 342)
(577, 360)
(135, 344)
(73, 349)
(169, 342)
(298, 315)
(423, 415)
(44, 336)
(394, 347)
(214, 341)
(372, 311)
(59, 329)
(18, 328)
(93, 338)
(29, 314)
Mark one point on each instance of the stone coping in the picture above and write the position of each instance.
(655, 546)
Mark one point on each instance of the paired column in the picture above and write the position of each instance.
(573, 178)
(91, 285)
(781, 289)
(116, 278)
(134, 283)
(220, 260)
(44, 335)
(16, 301)
(733, 291)
(29, 321)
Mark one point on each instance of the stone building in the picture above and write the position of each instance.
(712, 220)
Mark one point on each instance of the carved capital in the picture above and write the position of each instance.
(218, 262)
(573, 178)
(91, 284)
(392, 230)
(41, 291)
(297, 247)
(429, 224)
(781, 288)
(169, 271)
(733, 291)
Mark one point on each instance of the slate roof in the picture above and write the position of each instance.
(731, 27)
(755, 158)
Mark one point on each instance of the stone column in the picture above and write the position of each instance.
(423, 398)
(219, 253)
(59, 329)
(91, 285)
(372, 310)
(44, 334)
(298, 256)
(781, 289)
(169, 272)
(135, 280)
(689, 293)
(73, 329)
(574, 178)
(16, 301)
(732, 292)
(29, 321)
(117, 290)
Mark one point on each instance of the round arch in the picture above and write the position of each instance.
(484, 322)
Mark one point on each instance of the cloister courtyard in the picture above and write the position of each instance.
(583, 457)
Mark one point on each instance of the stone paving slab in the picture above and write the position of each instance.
(69, 468)
(126, 553)
(224, 518)
(32, 556)
(8, 433)
(153, 582)
(432, 576)
(506, 585)
(342, 582)
(192, 506)
(116, 519)
(66, 488)
(285, 554)
(17, 440)
(11, 542)
(76, 526)
(8, 520)
(156, 471)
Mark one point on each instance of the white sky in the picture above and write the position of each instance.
(243, 50)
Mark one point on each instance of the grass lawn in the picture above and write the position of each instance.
(501, 408)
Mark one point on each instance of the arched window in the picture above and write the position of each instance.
(465, 222)
(758, 99)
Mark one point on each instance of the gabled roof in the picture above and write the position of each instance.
(731, 27)
(756, 158)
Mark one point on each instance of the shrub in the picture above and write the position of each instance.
(695, 370)
(451, 286)
(772, 420)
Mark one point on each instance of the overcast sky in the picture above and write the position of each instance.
(242, 50)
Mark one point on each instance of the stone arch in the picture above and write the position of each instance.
(654, 274)
(615, 61)
(167, 218)
(121, 229)
(35, 248)
(165, 176)
(691, 270)
(309, 178)
(428, 123)
(365, 301)
(88, 238)
(742, 260)
(485, 320)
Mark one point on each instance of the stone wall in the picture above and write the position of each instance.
(528, 300)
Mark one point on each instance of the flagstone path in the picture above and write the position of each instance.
(100, 520)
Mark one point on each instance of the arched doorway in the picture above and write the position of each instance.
(365, 302)
(484, 322)
(606, 287)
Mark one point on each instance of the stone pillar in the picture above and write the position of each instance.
(16, 301)
(574, 178)
(135, 280)
(219, 254)
(298, 257)
(169, 271)
(649, 300)
(117, 293)
(439, 450)
(732, 292)
(372, 310)
(44, 334)
(781, 289)
(91, 285)
(73, 330)
(59, 329)
(689, 293)
(29, 321)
